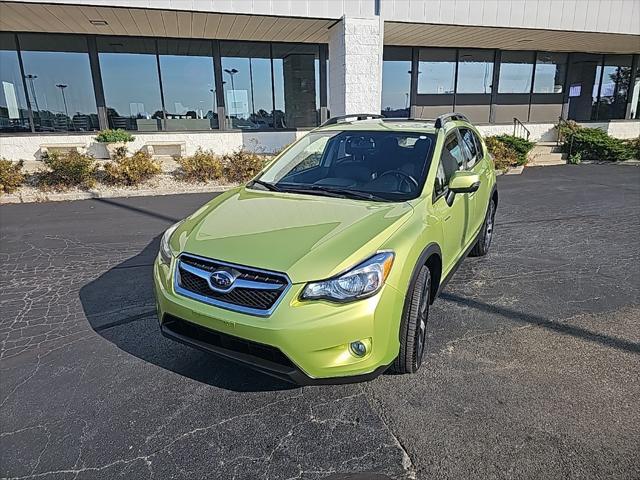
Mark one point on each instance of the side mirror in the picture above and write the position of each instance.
(464, 182)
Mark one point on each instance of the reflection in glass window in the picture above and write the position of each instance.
(396, 82)
(436, 71)
(131, 85)
(186, 67)
(58, 77)
(296, 76)
(614, 88)
(14, 116)
(550, 72)
(516, 69)
(246, 75)
(475, 71)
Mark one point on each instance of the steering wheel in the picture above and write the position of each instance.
(403, 178)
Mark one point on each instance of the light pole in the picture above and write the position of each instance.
(62, 86)
(31, 78)
(232, 73)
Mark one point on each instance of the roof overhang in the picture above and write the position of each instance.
(435, 35)
(101, 20)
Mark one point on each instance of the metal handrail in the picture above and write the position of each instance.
(519, 128)
(560, 140)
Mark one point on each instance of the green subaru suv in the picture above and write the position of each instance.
(323, 267)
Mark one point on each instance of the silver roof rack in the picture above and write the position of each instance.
(449, 117)
(351, 118)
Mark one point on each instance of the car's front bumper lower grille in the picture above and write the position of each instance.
(252, 291)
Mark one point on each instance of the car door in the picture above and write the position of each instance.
(455, 216)
(474, 156)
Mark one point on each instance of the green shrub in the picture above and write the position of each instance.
(11, 176)
(521, 146)
(504, 156)
(202, 166)
(242, 165)
(596, 144)
(634, 147)
(131, 170)
(66, 170)
(113, 136)
(566, 129)
(575, 159)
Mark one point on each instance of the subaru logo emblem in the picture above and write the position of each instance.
(221, 280)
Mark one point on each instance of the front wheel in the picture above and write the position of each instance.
(413, 328)
(481, 248)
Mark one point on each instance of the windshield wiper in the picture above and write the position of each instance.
(335, 192)
(267, 185)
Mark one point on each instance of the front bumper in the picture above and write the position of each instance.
(304, 342)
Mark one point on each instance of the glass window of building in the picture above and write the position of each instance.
(436, 71)
(186, 69)
(59, 83)
(516, 70)
(550, 72)
(296, 84)
(131, 85)
(246, 77)
(396, 82)
(614, 89)
(14, 115)
(475, 71)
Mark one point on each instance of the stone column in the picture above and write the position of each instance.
(355, 66)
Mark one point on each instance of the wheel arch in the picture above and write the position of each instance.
(431, 257)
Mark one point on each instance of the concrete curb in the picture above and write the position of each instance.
(93, 194)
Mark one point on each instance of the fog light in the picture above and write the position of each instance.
(358, 348)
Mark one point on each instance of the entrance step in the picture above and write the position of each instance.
(546, 153)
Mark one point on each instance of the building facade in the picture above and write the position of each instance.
(258, 73)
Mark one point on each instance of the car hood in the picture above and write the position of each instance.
(305, 236)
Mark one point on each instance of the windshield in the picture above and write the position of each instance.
(382, 166)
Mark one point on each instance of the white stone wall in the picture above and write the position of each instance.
(27, 147)
(545, 132)
(355, 66)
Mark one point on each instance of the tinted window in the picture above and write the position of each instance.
(396, 81)
(550, 72)
(475, 71)
(188, 86)
(470, 147)
(296, 76)
(58, 77)
(516, 69)
(131, 84)
(246, 76)
(436, 72)
(391, 165)
(614, 89)
(451, 160)
(14, 116)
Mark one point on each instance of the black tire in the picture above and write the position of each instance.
(413, 327)
(481, 248)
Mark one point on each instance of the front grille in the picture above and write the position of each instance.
(201, 335)
(253, 291)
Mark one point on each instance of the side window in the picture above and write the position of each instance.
(451, 160)
(470, 147)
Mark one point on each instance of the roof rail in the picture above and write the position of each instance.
(352, 117)
(449, 117)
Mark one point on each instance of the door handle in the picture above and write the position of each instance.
(447, 218)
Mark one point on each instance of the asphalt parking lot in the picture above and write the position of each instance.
(532, 372)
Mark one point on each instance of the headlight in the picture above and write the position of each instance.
(165, 249)
(361, 281)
